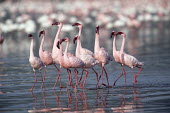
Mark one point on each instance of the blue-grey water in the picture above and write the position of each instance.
(151, 94)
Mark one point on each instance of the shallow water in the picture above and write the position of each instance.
(150, 94)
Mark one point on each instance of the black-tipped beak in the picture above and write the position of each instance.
(119, 33)
(113, 33)
(30, 35)
(56, 23)
(76, 24)
(58, 44)
(41, 32)
(62, 40)
(97, 29)
(74, 40)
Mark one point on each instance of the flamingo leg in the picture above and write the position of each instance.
(138, 72)
(56, 80)
(84, 79)
(44, 73)
(81, 76)
(76, 73)
(42, 80)
(56, 67)
(69, 77)
(134, 81)
(124, 73)
(35, 81)
(117, 79)
(96, 77)
(106, 77)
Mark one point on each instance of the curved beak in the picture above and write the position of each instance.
(41, 32)
(56, 23)
(119, 33)
(76, 24)
(74, 39)
(58, 44)
(30, 35)
(97, 29)
(113, 33)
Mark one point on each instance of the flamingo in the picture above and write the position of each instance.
(88, 60)
(116, 54)
(84, 54)
(45, 55)
(35, 62)
(126, 59)
(101, 55)
(68, 61)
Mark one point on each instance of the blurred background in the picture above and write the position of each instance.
(145, 22)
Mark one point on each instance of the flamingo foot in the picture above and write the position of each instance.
(135, 81)
(81, 85)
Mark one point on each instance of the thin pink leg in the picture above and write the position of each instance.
(81, 76)
(106, 77)
(44, 73)
(97, 85)
(42, 86)
(69, 77)
(56, 80)
(56, 67)
(35, 81)
(84, 79)
(134, 81)
(124, 73)
(117, 79)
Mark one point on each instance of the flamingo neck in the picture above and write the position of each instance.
(66, 49)
(97, 43)
(114, 45)
(80, 29)
(78, 47)
(123, 44)
(41, 45)
(31, 48)
(57, 37)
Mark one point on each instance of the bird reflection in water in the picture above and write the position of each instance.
(90, 101)
(1, 47)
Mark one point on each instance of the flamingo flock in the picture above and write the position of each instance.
(83, 58)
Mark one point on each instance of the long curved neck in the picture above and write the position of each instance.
(123, 44)
(114, 45)
(78, 47)
(57, 36)
(66, 49)
(80, 29)
(41, 45)
(97, 43)
(31, 48)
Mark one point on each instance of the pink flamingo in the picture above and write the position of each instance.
(101, 55)
(35, 62)
(84, 54)
(68, 61)
(88, 60)
(55, 50)
(128, 60)
(116, 54)
(45, 56)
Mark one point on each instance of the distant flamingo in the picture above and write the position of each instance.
(84, 54)
(101, 55)
(128, 60)
(45, 56)
(35, 62)
(68, 61)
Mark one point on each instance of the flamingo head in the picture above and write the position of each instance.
(120, 33)
(76, 24)
(41, 32)
(31, 36)
(97, 29)
(64, 39)
(58, 44)
(75, 38)
(112, 34)
(56, 23)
